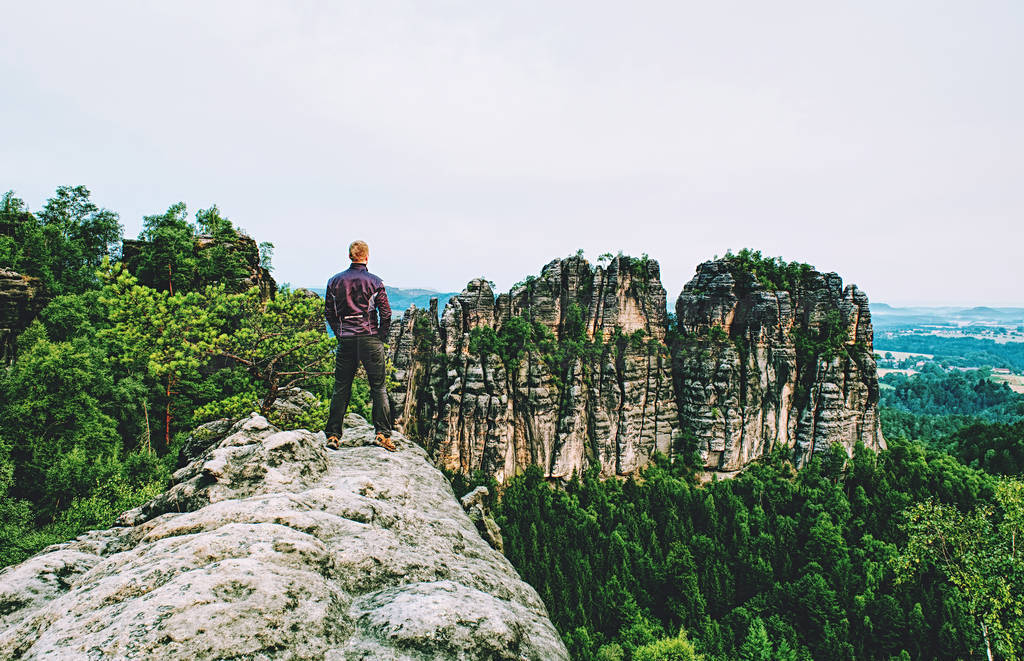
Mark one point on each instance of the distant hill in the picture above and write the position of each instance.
(887, 316)
(402, 299)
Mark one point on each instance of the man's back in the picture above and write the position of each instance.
(355, 297)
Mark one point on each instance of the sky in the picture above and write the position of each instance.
(881, 140)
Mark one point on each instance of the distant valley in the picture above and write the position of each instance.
(907, 340)
(1006, 324)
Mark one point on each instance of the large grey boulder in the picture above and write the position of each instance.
(269, 546)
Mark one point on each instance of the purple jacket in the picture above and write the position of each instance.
(353, 302)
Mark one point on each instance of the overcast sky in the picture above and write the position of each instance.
(882, 140)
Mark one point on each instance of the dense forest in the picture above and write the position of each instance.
(121, 364)
(907, 554)
(774, 564)
(935, 391)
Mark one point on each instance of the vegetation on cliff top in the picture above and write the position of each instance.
(171, 255)
(773, 273)
(63, 244)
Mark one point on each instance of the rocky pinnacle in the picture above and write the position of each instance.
(742, 371)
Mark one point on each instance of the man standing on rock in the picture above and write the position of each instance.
(357, 310)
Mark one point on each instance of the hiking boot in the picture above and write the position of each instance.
(385, 442)
(333, 442)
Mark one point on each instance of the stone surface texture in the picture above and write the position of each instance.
(21, 299)
(269, 546)
(743, 387)
(612, 407)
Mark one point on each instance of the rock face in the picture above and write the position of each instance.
(758, 367)
(580, 376)
(571, 370)
(21, 299)
(269, 546)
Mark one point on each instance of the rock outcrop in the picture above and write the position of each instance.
(268, 546)
(579, 368)
(21, 299)
(566, 371)
(475, 504)
(758, 367)
(239, 248)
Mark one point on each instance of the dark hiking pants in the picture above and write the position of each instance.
(368, 350)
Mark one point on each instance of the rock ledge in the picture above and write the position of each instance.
(269, 546)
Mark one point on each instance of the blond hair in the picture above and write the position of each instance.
(358, 251)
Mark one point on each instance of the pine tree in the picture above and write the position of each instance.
(756, 646)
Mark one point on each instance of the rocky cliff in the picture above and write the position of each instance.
(21, 299)
(268, 546)
(567, 370)
(579, 367)
(771, 354)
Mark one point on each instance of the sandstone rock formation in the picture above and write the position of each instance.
(268, 546)
(758, 367)
(21, 299)
(588, 379)
(580, 377)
